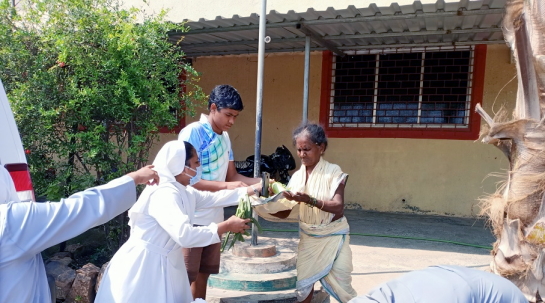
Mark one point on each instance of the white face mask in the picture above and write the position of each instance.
(197, 177)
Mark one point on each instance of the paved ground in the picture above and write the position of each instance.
(379, 259)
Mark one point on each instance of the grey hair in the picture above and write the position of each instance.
(314, 132)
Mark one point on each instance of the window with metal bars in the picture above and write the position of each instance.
(402, 89)
(423, 89)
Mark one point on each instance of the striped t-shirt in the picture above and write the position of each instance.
(214, 153)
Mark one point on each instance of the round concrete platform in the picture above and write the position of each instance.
(284, 260)
(262, 250)
(256, 274)
(253, 282)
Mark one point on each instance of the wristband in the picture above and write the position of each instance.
(256, 192)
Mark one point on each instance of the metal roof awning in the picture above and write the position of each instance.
(346, 30)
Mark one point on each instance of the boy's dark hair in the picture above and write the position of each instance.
(189, 152)
(314, 132)
(225, 96)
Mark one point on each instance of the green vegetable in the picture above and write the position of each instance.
(278, 187)
(244, 211)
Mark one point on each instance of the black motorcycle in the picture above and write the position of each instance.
(277, 164)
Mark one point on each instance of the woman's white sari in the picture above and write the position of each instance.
(324, 253)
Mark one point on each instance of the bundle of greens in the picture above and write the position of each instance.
(278, 187)
(244, 211)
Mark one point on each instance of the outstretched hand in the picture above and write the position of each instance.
(237, 225)
(298, 196)
(145, 175)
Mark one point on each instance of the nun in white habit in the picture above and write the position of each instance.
(150, 266)
(27, 228)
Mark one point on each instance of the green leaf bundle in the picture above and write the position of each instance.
(244, 211)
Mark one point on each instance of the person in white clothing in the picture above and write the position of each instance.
(8, 193)
(7, 188)
(27, 228)
(150, 266)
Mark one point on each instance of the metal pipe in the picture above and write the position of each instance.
(259, 103)
(305, 83)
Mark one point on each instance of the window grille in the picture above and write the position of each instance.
(415, 88)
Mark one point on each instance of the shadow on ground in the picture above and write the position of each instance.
(402, 230)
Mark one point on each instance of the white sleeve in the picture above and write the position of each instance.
(166, 207)
(222, 198)
(34, 227)
(7, 188)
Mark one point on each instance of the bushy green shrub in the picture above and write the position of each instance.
(90, 83)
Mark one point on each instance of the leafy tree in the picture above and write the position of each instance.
(90, 83)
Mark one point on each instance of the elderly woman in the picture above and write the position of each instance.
(150, 266)
(316, 200)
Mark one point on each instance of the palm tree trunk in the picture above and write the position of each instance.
(516, 211)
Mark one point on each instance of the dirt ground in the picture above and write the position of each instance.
(386, 245)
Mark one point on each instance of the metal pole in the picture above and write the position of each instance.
(259, 103)
(305, 84)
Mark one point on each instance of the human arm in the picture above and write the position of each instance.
(217, 185)
(170, 210)
(232, 180)
(167, 207)
(145, 175)
(234, 176)
(33, 227)
(334, 206)
(222, 198)
(234, 224)
(37, 226)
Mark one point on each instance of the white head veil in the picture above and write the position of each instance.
(170, 161)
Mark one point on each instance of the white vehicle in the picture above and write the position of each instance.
(12, 153)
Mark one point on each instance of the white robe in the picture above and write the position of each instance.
(7, 188)
(150, 266)
(27, 228)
